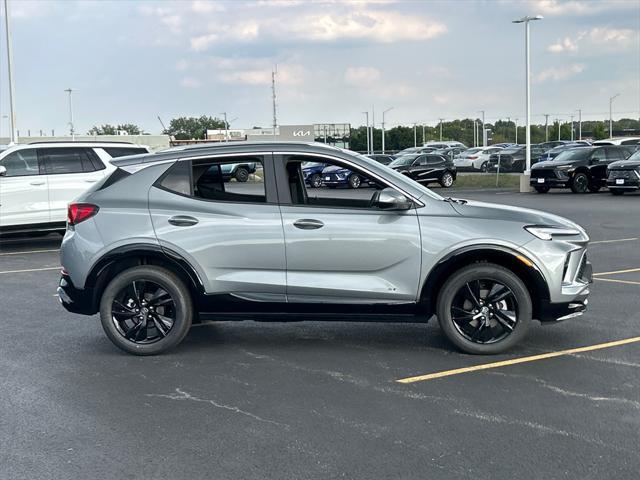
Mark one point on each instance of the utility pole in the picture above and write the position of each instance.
(610, 114)
(71, 129)
(383, 134)
(579, 124)
(441, 120)
(273, 96)
(546, 127)
(12, 107)
(368, 143)
(572, 128)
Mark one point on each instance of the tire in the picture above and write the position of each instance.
(355, 181)
(579, 183)
(542, 189)
(446, 179)
(138, 283)
(316, 180)
(242, 174)
(517, 303)
(616, 191)
(484, 167)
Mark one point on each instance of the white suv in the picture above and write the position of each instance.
(38, 180)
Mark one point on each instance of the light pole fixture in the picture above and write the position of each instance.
(72, 131)
(383, 114)
(524, 183)
(610, 115)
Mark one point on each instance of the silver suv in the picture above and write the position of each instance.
(168, 239)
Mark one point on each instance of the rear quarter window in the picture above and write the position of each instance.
(116, 152)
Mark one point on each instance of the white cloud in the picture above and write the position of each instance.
(579, 7)
(361, 76)
(255, 71)
(167, 16)
(190, 82)
(204, 6)
(598, 38)
(559, 73)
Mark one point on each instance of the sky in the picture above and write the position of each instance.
(131, 61)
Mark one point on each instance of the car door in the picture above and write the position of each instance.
(342, 250)
(24, 198)
(69, 171)
(418, 168)
(229, 231)
(598, 163)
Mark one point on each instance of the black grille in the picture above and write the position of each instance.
(543, 174)
(628, 174)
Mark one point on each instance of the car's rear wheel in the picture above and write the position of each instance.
(446, 180)
(316, 180)
(484, 309)
(355, 181)
(542, 189)
(594, 187)
(146, 310)
(616, 191)
(579, 183)
(242, 174)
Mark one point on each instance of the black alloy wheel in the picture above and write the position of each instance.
(242, 174)
(579, 183)
(143, 312)
(316, 180)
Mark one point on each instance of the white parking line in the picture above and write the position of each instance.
(632, 239)
(28, 252)
(29, 270)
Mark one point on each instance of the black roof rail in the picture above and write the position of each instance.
(79, 141)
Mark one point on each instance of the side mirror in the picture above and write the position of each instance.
(3, 171)
(390, 199)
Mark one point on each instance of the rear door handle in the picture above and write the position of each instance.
(308, 224)
(183, 221)
(37, 183)
(90, 181)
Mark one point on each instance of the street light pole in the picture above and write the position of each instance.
(72, 131)
(546, 127)
(12, 108)
(226, 127)
(484, 138)
(415, 135)
(572, 128)
(423, 135)
(441, 120)
(368, 144)
(559, 128)
(610, 114)
(579, 124)
(524, 181)
(383, 134)
(515, 122)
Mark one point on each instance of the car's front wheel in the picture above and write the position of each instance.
(579, 183)
(355, 181)
(146, 310)
(484, 309)
(446, 180)
(316, 180)
(242, 174)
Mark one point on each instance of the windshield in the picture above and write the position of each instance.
(403, 160)
(573, 154)
(311, 164)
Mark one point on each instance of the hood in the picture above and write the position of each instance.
(555, 163)
(526, 216)
(625, 164)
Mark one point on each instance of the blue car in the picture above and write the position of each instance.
(312, 172)
(335, 176)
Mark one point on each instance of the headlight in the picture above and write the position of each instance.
(341, 176)
(547, 233)
(566, 168)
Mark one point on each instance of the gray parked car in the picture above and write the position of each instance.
(164, 241)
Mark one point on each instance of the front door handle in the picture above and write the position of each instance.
(183, 221)
(308, 224)
(90, 181)
(36, 183)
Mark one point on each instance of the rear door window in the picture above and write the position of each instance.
(69, 160)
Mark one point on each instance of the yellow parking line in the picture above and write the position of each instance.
(515, 361)
(615, 272)
(30, 270)
(28, 252)
(629, 282)
(615, 241)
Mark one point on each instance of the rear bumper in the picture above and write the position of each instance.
(75, 300)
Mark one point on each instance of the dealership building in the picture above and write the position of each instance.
(336, 134)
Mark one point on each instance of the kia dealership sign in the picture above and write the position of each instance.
(302, 133)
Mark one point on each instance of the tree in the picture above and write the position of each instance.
(108, 129)
(187, 128)
(599, 132)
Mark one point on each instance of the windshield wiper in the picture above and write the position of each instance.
(455, 200)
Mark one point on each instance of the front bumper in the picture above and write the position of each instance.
(75, 300)
(548, 182)
(578, 289)
(627, 184)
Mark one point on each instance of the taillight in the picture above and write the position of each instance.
(472, 157)
(79, 212)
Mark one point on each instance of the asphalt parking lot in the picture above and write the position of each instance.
(322, 400)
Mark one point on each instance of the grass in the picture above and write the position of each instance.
(487, 180)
